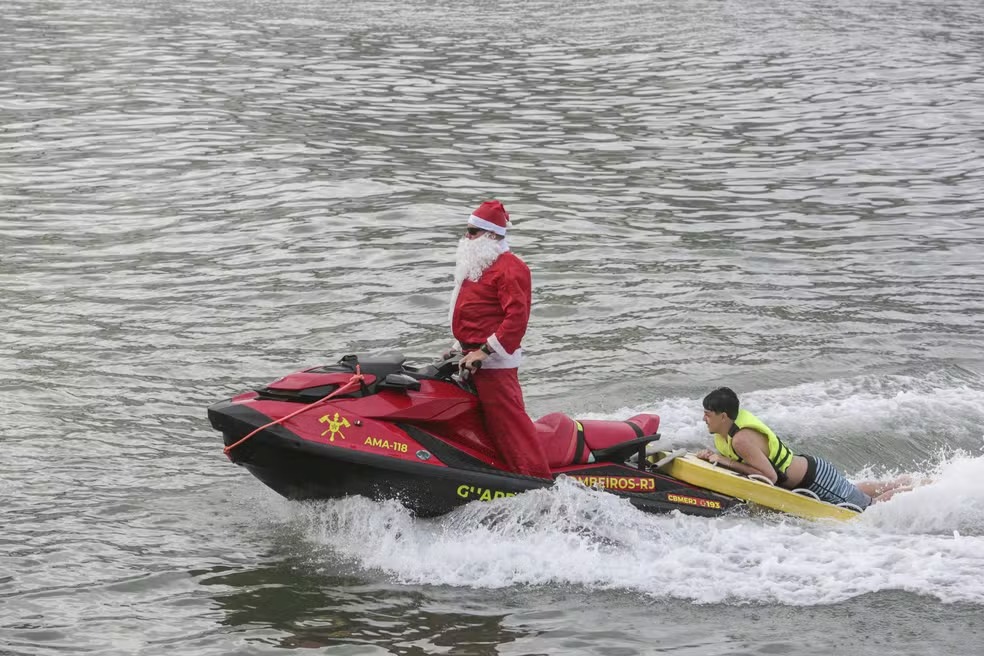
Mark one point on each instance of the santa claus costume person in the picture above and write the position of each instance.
(490, 307)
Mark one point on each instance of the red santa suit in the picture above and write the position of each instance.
(495, 310)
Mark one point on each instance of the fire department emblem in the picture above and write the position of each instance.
(335, 426)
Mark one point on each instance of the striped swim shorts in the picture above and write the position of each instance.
(823, 479)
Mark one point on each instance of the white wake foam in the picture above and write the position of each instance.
(573, 535)
(928, 541)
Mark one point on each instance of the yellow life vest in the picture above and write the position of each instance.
(779, 454)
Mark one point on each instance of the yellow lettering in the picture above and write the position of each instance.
(481, 493)
(377, 443)
(692, 501)
(629, 483)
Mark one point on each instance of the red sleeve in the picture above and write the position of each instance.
(515, 291)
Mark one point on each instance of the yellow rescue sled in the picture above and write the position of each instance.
(690, 469)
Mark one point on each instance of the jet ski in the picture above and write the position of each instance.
(376, 426)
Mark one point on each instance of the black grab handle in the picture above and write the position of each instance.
(621, 452)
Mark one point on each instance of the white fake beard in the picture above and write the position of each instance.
(474, 257)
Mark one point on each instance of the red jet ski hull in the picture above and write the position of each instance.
(419, 439)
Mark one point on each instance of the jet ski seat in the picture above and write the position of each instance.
(568, 442)
(563, 443)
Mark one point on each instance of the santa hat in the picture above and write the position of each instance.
(491, 216)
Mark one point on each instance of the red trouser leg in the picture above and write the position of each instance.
(507, 423)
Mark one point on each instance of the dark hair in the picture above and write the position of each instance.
(723, 399)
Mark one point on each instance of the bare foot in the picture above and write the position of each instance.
(885, 496)
(884, 490)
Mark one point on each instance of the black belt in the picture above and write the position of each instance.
(472, 347)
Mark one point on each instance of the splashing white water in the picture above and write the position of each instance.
(928, 541)
(952, 502)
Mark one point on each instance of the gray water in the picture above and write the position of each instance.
(198, 197)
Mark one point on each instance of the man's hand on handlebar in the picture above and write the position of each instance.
(473, 361)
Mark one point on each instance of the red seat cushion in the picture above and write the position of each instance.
(558, 436)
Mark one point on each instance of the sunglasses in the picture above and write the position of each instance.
(474, 231)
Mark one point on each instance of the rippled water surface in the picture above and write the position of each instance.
(197, 197)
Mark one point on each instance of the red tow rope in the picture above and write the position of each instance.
(354, 381)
